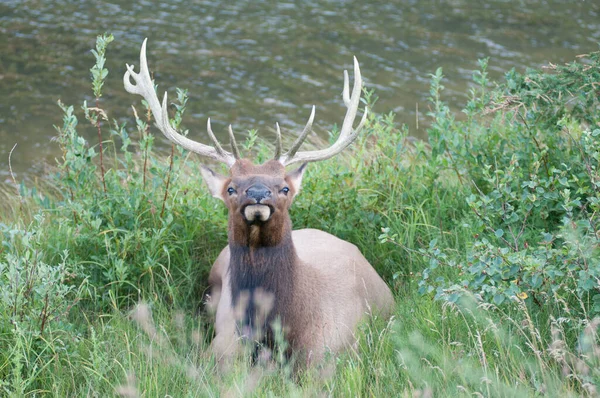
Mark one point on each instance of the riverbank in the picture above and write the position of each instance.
(487, 235)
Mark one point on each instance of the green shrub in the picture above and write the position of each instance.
(35, 299)
(500, 205)
(529, 153)
(139, 223)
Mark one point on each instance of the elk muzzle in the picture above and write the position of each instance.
(257, 213)
(258, 192)
(257, 210)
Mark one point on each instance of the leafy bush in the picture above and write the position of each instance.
(112, 230)
(529, 153)
(500, 205)
(35, 299)
(135, 225)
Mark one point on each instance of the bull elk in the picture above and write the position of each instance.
(317, 285)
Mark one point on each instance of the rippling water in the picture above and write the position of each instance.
(252, 63)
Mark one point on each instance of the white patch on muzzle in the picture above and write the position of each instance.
(257, 212)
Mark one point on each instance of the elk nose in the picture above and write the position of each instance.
(258, 192)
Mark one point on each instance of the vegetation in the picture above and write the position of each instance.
(488, 236)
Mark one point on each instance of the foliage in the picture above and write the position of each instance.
(98, 71)
(528, 151)
(35, 299)
(124, 235)
(496, 217)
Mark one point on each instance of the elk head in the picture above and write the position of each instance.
(258, 196)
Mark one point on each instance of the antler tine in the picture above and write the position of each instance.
(346, 92)
(278, 144)
(234, 147)
(145, 87)
(213, 138)
(352, 102)
(347, 133)
(298, 143)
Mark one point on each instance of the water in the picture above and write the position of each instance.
(253, 63)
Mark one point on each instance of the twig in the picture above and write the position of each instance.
(146, 131)
(66, 311)
(168, 180)
(63, 146)
(10, 166)
(12, 175)
(524, 223)
(11, 170)
(100, 142)
(482, 219)
(454, 167)
(143, 136)
(417, 115)
(44, 316)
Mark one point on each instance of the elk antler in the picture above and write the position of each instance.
(347, 133)
(144, 87)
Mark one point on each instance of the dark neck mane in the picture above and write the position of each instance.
(262, 276)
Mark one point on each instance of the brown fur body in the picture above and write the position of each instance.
(318, 285)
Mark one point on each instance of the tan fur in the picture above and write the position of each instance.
(317, 285)
(335, 287)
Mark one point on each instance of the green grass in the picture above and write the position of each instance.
(429, 347)
(101, 291)
(426, 348)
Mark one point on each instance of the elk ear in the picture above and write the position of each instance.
(294, 178)
(215, 182)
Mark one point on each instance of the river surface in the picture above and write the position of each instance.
(253, 63)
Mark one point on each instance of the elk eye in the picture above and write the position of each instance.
(285, 190)
(230, 191)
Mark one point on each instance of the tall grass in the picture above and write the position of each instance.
(103, 272)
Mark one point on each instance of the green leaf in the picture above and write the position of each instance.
(499, 298)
